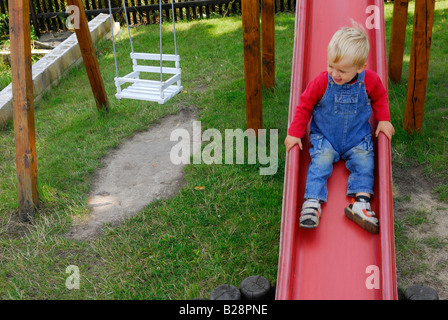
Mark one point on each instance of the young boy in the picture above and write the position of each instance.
(340, 102)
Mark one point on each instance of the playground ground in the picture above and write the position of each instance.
(223, 223)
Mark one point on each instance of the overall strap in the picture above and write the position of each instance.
(362, 76)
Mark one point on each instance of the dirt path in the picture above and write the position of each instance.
(136, 174)
(428, 265)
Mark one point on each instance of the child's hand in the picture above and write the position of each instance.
(386, 127)
(291, 141)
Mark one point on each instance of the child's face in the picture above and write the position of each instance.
(343, 71)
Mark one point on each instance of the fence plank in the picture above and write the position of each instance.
(57, 22)
(33, 18)
(44, 8)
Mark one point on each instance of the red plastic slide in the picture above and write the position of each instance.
(338, 259)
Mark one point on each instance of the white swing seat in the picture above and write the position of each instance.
(150, 90)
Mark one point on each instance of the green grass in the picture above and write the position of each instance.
(174, 249)
(412, 250)
(185, 246)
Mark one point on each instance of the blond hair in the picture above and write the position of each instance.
(349, 42)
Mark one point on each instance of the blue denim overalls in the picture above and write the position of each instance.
(340, 129)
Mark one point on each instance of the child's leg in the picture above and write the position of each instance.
(322, 158)
(360, 162)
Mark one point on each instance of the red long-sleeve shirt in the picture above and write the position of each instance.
(315, 91)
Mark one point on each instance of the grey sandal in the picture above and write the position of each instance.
(310, 214)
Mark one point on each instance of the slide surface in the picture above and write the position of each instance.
(338, 259)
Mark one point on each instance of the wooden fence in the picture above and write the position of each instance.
(50, 15)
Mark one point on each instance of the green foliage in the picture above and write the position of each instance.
(4, 24)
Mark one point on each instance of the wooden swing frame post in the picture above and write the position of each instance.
(397, 39)
(23, 100)
(89, 57)
(419, 64)
(252, 64)
(268, 43)
(256, 69)
(23, 108)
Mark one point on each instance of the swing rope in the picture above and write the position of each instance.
(130, 37)
(129, 29)
(160, 37)
(113, 37)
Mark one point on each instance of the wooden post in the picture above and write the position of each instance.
(418, 66)
(23, 108)
(89, 56)
(252, 64)
(268, 43)
(397, 39)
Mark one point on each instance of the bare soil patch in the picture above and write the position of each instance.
(413, 193)
(133, 176)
